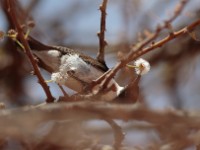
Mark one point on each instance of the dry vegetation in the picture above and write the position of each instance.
(69, 124)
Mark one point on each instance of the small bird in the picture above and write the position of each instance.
(72, 68)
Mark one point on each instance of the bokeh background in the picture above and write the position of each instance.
(173, 81)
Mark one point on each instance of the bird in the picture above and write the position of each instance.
(72, 68)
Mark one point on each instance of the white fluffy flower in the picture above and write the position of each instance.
(141, 66)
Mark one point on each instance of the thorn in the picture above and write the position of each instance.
(2, 105)
(23, 26)
(48, 81)
(2, 34)
(101, 7)
(31, 23)
(105, 43)
(32, 73)
(131, 66)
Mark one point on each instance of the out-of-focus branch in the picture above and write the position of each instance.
(12, 13)
(118, 133)
(95, 110)
(101, 34)
(173, 119)
(177, 11)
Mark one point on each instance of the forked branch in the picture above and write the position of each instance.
(12, 13)
(142, 48)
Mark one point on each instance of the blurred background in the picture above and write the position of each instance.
(173, 81)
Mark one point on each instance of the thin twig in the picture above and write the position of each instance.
(13, 17)
(140, 50)
(101, 34)
(63, 91)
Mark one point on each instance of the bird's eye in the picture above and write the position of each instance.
(71, 72)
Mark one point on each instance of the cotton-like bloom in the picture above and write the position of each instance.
(141, 66)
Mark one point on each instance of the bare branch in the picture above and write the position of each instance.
(118, 133)
(63, 91)
(101, 34)
(12, 13)
(141, 50)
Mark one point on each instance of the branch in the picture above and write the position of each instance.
(15, 120)
(118, 133)
(12, 13)
(95, 110)
(101, 34)
(141, 50)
